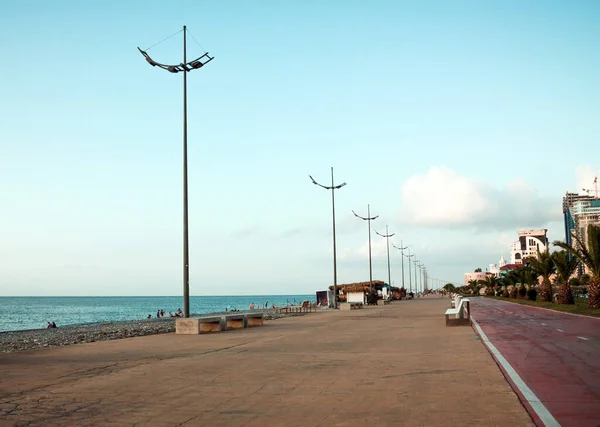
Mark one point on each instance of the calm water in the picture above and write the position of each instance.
(17, 313)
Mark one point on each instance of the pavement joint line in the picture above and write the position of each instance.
(559, 330)
(583, 338)
(534, 402)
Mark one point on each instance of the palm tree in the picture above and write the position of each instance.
(566, 265)
(520, 277)
(490, 282)
(544, 266)
(530, 277)
(588, 255)
(511, 279)
(474, 284)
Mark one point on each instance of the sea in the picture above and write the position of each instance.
(21, 313)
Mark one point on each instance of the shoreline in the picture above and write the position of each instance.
(31, 339)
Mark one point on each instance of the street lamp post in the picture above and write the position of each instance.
(333, 187)
(185, 67)
(368, 219)
(387, 238)
(401, 249)
(416, 261)
(409, 256)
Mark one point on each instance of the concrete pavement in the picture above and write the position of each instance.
(393, 365)
(556, 354)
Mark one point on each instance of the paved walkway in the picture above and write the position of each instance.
(557, 355)
(397, 365)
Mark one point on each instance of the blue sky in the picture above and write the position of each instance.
(459, 122)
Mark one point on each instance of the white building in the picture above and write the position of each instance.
(530, 241)
(495, 268)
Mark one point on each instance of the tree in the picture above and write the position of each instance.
(491, 280)
(543, 265)
(474, 286)
(449, 287)
(566, 265)
(589, 255)
(478, 270)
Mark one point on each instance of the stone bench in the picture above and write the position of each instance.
(254, 319)
(198, 325)
(459, 316)
(383, 301)
(203, 325)
(234, 321)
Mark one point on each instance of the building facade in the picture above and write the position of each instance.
(529, 243)
(579, 211)
(476, 275)
(495, 268)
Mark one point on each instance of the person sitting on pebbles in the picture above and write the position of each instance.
(51, 325)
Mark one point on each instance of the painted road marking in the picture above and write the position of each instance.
(533, 401)
(559, 330)
(543, 324)
(583, 338)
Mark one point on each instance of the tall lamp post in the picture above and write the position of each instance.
(185, 67)
(387, 238)
(333, 187)
(401, 249)
(368, 219)
(416, 261)
(409, 256)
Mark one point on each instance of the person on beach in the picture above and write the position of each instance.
(251, 306)
(51, 325)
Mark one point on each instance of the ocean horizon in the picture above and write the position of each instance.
(28, 312)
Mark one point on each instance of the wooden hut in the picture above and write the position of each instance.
(357, 287)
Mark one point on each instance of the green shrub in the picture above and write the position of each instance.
(532, 294)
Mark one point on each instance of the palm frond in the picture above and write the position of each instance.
(588, 254)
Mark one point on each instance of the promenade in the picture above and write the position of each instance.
(394, 365)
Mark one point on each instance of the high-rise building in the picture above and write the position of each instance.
(571, 226)
(579, 211)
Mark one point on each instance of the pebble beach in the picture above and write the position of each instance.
(12, 341)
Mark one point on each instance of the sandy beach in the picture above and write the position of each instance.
(394, 365)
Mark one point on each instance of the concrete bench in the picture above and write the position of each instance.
(459, 316)
(198, 325)
(234, 321)
(383, 301)
(254, 319)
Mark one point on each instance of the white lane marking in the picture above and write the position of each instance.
(583, 338)
(559, 330)
(543, 324)
(535, 403)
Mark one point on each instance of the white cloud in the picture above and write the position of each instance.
(585, 178)
(443, 198)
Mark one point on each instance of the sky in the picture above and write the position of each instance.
(459, 123)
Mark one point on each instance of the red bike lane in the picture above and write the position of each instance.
(556, 355)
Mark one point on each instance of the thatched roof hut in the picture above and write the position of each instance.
(358, 286)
